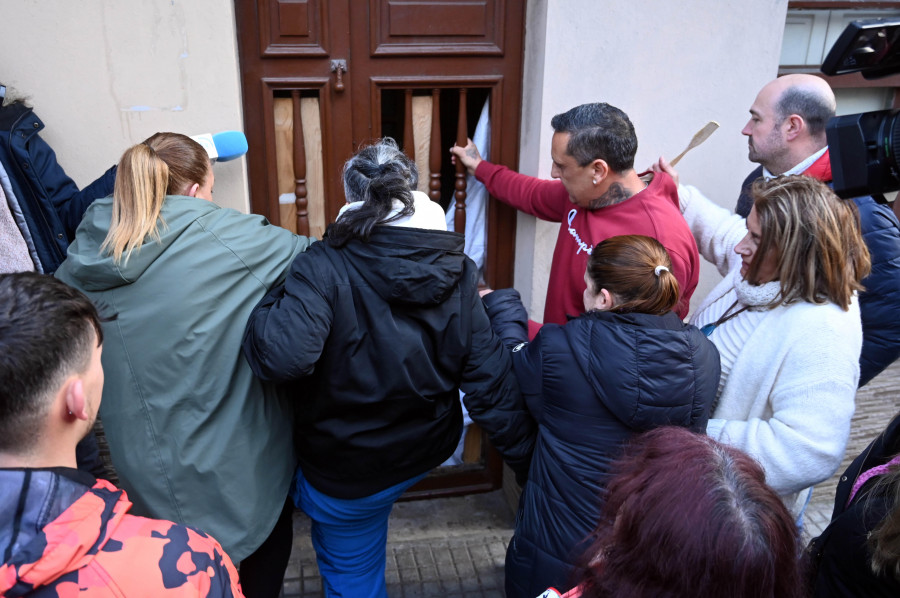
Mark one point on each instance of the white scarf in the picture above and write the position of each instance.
(758, 297)
(427, 214)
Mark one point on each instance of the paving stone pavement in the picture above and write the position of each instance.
(451, 547)
(470, 566)
(456, 546)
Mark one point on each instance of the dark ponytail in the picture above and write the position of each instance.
(376, 175)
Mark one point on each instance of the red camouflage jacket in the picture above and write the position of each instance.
(61, 537)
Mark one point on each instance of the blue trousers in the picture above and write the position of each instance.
(350, 537)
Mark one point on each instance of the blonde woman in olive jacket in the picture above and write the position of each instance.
(194, 436)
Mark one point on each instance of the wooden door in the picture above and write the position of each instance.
(322, 77)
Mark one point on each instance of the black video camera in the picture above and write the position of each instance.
(865, 148)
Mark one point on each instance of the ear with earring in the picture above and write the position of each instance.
(595, 181)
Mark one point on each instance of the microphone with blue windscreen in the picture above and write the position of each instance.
(223, 146)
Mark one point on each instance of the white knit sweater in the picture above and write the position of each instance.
(790, 388)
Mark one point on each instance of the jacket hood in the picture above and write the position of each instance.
(95, 270)
(63, 525)
(666, 372)
(888, 442)
(408, 265)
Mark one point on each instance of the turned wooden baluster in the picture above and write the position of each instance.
(409, 141)
(459, 219)
(436, 153)
(300, 169)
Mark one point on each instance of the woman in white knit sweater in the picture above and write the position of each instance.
(787, 326)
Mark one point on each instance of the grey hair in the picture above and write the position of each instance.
(812, 106)
(370, 165)
(376, 175)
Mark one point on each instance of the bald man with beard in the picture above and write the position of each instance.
(786, 135)
(786, 132)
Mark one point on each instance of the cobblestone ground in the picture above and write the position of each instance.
(451, 547)
(454, 567)
(455, 547)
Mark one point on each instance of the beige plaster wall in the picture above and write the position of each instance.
(672, 66)
(105, 75)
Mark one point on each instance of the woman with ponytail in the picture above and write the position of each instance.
(194, 436)
(625, 366)
(373, 333)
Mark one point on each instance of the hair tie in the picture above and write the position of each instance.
(659, 269)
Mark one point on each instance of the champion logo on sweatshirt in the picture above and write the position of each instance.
(582, 246)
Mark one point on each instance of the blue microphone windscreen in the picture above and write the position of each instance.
(230, 145)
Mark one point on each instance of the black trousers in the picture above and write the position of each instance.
(262, 573)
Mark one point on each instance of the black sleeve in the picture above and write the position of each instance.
(880, 302)
(492, 395)
(62, 192)
(287, 330)
(509, 320)
(745, 200)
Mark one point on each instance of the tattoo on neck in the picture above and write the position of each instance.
(617, 193)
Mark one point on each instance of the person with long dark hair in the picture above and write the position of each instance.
(689, 517)
(626, 365)
(373, 334)
(194, 436)
(858, 554)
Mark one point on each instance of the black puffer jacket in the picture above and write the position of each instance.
(375, 339)
(880, 302)
(591, 385)
(45, 202)
(840, 557)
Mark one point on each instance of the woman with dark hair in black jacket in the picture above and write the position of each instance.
(627, 365)
(375, 331)
(858, 554)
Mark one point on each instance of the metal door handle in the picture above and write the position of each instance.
(339, 67)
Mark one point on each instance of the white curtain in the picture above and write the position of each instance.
(476, 195)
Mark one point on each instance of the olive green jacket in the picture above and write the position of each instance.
(194, 436)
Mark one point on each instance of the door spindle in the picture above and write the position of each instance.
(462, 136)
(435, 154)
(300, 191)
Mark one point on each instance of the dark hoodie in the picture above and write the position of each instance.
(592, 385)
(375, 339)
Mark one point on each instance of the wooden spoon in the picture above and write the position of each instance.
(698, 138)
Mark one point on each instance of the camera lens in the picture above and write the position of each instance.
(892, 143)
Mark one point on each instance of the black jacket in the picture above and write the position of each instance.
(591, 385)
(840, 555)
(46, 203)
(375, 339)
(879, 304)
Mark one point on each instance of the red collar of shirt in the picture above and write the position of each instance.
(820, 169)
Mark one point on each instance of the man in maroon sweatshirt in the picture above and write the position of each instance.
(597, 195)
